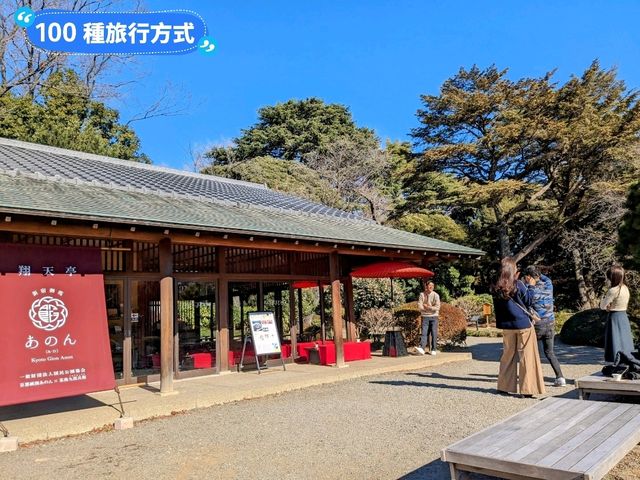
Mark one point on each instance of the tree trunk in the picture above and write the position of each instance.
(594, 302)
(503, 234)
(586, 300)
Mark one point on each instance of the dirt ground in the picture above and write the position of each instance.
(628, 468)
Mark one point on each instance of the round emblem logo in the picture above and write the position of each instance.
(48, 313)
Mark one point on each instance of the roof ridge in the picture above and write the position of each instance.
(129, 163)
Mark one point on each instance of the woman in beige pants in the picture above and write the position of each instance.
(511, 300)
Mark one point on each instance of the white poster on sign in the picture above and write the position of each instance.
(264, 332)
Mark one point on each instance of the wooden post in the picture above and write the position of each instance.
(278, 310)
(292, 321)
(260, 297)
(166, 317)
(242, 327)
(336, 307)
(323, 331)
(300, 320)
(352, 335)
(222, 311)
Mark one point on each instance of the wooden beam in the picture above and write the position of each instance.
(166, 317)
(148, 233)
(222, 314)
(270, 277)
(336, 308)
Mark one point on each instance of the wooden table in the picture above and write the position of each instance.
(598, 383)
(555, 439)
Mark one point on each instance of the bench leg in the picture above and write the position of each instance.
(583, 395)
(456, 473)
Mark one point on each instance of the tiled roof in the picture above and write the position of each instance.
(67, 164)
(65, 184)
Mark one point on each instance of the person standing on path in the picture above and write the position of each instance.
(617, 334)
(546, 326)
(511, 298)
(429, 306)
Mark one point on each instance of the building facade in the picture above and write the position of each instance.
(185, 255)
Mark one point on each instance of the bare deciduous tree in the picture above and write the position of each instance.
(593, 241)
(376, 321)
(356, 171)
(24, 68)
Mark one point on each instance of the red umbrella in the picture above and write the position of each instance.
(391, 270)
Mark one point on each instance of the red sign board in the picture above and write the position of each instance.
(54, 340)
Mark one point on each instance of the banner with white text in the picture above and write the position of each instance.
(54, 340)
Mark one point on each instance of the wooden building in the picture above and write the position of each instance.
(181, 252)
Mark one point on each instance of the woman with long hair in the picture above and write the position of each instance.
(511, 300)
(617, 333)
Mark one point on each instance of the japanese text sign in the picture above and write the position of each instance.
(54, 340)
(265, 334)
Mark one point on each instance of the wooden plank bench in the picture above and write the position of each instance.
(598, 383)
(555, 439)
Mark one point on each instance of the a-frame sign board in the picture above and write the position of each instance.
(264, 336)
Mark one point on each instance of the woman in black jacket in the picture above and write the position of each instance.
(511, 300)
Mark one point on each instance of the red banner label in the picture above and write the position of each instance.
(55, 340)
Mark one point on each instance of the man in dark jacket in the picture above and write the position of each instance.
(545, 327)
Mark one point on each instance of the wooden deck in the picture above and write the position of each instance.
(598, 383)
(556, 439)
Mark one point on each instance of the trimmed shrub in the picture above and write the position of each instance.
(561, 319)
(408, 317)
(472, 305)
(484, 332)
(452, 324)
(587, 328)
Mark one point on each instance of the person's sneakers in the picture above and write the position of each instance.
(560, 382)
(433, 352)
(420, 350)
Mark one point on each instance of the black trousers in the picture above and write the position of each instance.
(545, 334)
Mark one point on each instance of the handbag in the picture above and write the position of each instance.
(533, 316)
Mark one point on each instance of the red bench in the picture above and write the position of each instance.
(352, 351)
(302, 348)
(208, 360)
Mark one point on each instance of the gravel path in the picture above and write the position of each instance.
(386, 427)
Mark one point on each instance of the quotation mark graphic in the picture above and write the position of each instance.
(24, 17)
(206, 46)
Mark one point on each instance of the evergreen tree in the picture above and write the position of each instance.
(65, 116)
(292, 130)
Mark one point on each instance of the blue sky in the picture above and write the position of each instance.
(375, 56)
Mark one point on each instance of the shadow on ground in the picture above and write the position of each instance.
(444, 386)
(57, 405)
(567, 354)
(577, 355)
(438, 470)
